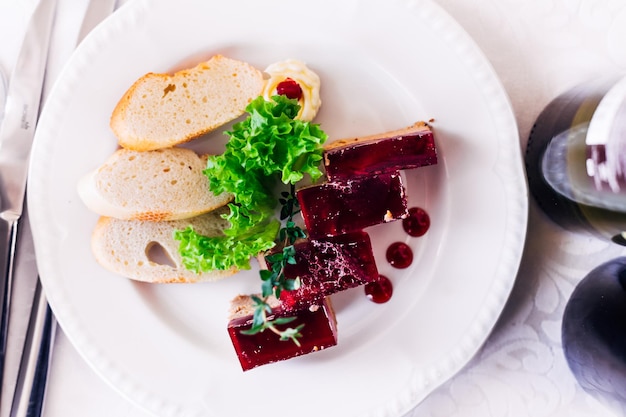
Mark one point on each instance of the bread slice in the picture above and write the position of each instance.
(146, 251)
(161, 110)
(165, 184)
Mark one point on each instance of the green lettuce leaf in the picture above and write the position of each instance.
(202, 253)
(267, 147)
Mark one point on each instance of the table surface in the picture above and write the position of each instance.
(539, 48)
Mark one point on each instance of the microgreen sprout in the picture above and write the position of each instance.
(273, 279)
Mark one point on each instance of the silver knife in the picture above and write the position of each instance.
(97, 10)
(29, 396)
(16, 136)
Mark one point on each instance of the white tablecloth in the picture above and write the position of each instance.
(539, 48)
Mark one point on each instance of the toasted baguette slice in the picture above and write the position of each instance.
(165, 184)
(161, 110)
(126, 247)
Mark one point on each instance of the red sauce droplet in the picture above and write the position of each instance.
(380, 290)
(417, 223)
(399, 255)
(289, 88)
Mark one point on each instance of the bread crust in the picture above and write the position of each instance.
(164, 184)
(123, 247)
(161, 110)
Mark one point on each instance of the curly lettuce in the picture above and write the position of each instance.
(202, 253)
(269, 146)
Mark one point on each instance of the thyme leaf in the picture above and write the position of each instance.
(274, 280)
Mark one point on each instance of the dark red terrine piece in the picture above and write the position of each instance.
(319, 332)
(329, 266)
(338, 207)
(407, 148)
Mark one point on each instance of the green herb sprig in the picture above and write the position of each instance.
(274, 280)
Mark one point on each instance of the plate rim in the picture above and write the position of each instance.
(517, 216)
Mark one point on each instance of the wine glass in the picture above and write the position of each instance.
(576, 159)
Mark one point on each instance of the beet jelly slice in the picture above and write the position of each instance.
(319, 332)
(335, 208)
(329, 266)
(408, 148)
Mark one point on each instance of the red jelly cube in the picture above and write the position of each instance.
(319, 332)
(407, 148)
(335, 208)
(329, 266)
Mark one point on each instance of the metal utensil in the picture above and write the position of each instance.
(16, 136)
(96, 12)
(30, 389)
(29, 396)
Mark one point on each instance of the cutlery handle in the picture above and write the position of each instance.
(8, 233)
(31, 382)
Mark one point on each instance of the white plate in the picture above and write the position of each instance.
(384, 65)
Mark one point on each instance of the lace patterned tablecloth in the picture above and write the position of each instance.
(539, 49)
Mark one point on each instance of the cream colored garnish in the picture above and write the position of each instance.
(308, 80)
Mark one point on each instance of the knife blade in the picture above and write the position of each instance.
(96, 12)
(30, 389)
(16, 136)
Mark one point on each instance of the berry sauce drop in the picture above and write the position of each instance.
(380, 290)
(289, 88)
(417, 223)
(399, 255)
